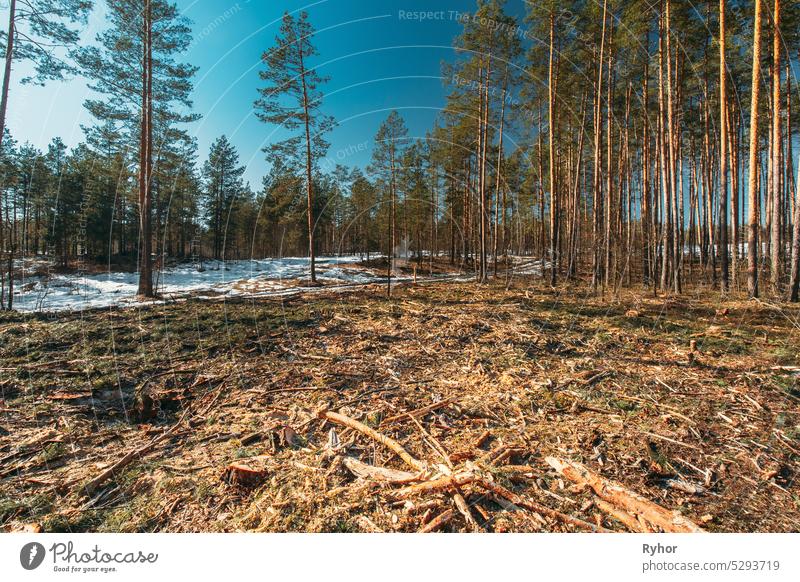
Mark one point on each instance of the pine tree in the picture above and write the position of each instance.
(386, 156)
(776, 169)
(38, 32)
(365, 199)
(291, 76)
(146, 89)
(183, 186)
(414, 182)
(223, 186)
(8, 190)
(753, 190)
(490, 51)
(56, 160)
(794, 284)
(107, 189)
(723, 152)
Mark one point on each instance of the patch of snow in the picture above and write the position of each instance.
(253, 278)
(73, 292)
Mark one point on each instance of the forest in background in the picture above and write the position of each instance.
(599, 136)
(604, 194)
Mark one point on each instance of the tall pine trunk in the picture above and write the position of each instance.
(752, 189)
(609, 197)
(551, 156)
(309, 182)
(794, 285)
(596, 184)
(723, 153)
(499, 178)
(11, 36)
(392, 218)
(672, 137)
(484, 225)
(776, 210)
(666, 206)
(733, 150)
(146, 158)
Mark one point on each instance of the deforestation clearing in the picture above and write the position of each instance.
(509, 407)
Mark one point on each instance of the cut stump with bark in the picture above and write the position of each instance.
(245, 474)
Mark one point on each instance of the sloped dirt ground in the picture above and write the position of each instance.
(691, 402)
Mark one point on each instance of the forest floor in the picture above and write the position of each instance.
(218, 416)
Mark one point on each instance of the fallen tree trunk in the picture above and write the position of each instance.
(629, 501)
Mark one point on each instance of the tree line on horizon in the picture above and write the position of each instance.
(646, 142)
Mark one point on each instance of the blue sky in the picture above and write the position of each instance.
(377, 55)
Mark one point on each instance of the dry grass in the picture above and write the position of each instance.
(692, 402)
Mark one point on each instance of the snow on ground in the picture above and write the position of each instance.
(529, 266)
(74, 292)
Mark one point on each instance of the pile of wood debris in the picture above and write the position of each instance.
(472, 472)
(447, 408)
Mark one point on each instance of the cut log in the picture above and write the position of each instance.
(622, 498)
(437, 522)
(90, 487)
(381, 474)
(374, 435)
(482, 439)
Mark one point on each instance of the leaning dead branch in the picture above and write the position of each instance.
(137, 454)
